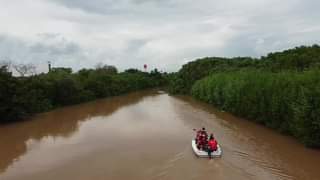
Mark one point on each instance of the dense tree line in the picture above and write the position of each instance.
(280, 90)
(298, 59)
(23, 96)
(287, 101)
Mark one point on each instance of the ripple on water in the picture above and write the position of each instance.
(269, 166)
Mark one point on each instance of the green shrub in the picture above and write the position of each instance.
(287, 101)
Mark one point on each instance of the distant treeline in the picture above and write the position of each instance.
(21, 97)
(281, 90)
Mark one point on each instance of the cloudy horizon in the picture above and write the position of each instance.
(164, 34)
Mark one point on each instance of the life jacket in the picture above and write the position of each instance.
(213, 144)
(198, 136)
(198, 133)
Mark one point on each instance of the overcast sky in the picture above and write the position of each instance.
(161, 33)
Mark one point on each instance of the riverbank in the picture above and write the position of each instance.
(287, 102)
(280, 90)
(115, 134)
(22, 97)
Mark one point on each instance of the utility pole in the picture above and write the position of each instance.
(49, 66)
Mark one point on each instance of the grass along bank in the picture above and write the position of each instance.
(288, 101)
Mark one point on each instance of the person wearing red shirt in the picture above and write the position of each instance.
(202, 138)
(212, 145)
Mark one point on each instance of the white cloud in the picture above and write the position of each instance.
(161, 33)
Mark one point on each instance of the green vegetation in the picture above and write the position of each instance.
(298, 59)
(288, 102)
(21, 97)
(281, 90)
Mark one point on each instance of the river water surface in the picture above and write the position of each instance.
(147, 135)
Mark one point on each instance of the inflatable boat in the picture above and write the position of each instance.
(204, 154)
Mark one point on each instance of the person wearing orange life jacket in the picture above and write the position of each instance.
(212, 145)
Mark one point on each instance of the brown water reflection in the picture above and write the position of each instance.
(59, 123)
(146, 135)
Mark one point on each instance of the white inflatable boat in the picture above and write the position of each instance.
(200, 153)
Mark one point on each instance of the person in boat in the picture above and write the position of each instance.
(212, 145)
(201, 139)
(198, 138)
(198, 135)
(204, 136)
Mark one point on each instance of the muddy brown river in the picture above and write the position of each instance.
(145, 136)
